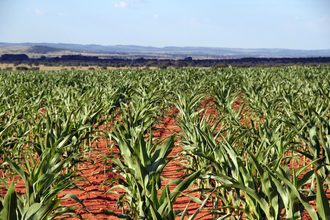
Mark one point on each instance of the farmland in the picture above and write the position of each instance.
(226, 143)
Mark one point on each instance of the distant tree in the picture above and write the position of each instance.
(189, 59)
(35, 68)
(9, 68)
(24, 68)
(14, 57)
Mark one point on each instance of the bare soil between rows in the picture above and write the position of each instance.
(94, 172)
(94, 194)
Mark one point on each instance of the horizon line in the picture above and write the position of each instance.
(164, 47)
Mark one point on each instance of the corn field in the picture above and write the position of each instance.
(248, 143)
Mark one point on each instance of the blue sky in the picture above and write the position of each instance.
(296, 24)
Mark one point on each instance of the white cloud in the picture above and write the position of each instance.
(39, 12)
(121, 4)
(127, 3)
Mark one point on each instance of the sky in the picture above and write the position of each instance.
(293, 24)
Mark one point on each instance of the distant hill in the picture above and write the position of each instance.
(39, 49)
(42, 49)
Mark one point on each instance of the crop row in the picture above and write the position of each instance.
(256, 141)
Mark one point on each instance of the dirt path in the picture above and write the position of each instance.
(94, 195)
(174, 170)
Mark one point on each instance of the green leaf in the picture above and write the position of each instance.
(322, 202)
(32, 210)
(46, 209)
(200, 208)
(301, 197)
(18, 169)
(75, 198)
(10, 204)
(184, 185)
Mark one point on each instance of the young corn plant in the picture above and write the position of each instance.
(44, 179)
(140, 164)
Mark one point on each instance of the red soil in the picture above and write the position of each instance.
(174, 170)
(95, 195)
